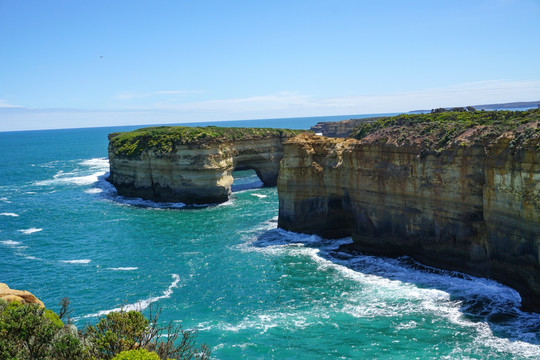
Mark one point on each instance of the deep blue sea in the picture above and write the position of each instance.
(251, 291)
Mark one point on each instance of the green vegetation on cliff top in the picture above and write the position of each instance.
(439, 128)
(163, 139)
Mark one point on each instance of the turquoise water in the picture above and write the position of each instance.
(252, 291)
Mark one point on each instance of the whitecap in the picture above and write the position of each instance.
(138, 202)
(396, 287)
(290, 320)
(141, 304)
(260, 196)
(30, 231)
(93, 191)
(80, 177)
(10, 243)
(124, 268)
(102, 163)
(9, 214)
(61, 178)
(81, 261)
(5, 199)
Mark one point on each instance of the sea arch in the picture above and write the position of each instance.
(192, 165)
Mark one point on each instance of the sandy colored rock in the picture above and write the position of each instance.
(339, 129)
(197, 173)
(21, 296)
(473, 207)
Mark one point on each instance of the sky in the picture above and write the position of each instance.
(85, 63)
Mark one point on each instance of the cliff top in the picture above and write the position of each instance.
(163, 139)
(438, 131)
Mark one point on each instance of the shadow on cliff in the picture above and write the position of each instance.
(480, 301)
(106, 190)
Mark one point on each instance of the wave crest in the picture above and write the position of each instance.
(141, 304)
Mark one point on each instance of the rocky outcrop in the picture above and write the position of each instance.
(195, 167)
(472, 205)
(24, 297)
(340, 129)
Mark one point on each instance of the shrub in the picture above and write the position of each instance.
(117, 332)
(130, 330)
(140, 354)
(30, 332)
(163, 139)
(442, 127)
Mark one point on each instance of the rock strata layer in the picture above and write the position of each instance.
(340, 129)
(195, 170)
(24, 297)
(473, 206)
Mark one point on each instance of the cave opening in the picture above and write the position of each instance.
(245, 179)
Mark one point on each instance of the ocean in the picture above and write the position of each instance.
(251, 290)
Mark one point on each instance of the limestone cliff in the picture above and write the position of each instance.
(191, 165)
(340, 129)
(24, 297)
(468, 202)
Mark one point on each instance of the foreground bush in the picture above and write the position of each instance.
(30, 332)
(140, 354)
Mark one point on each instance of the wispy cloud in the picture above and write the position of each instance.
(127, 95)
(282, 104)
(5, 104)
(485, 92)
(237, 105)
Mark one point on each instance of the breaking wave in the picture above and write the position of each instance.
(141, 304)
(30, 231)
(87, 173)
(9, 214)
(124, 268)
(81, 261)
(401, 287)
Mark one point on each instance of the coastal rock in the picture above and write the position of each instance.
(21, 296)
(473, 206)
(197, 170)
(339, 129)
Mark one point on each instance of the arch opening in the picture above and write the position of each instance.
(245, 178)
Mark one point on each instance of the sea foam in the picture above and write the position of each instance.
(81, 261)
(102, 163)
(124, 268)
(94, 168)
(30, 231)
(10, 243)
(9, 214)
(400, 287)
(141, 304)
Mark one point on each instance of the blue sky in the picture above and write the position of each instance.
(96, 63)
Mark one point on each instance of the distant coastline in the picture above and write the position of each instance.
(519, 105)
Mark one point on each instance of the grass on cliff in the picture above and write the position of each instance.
(439, 129)
(163, 139)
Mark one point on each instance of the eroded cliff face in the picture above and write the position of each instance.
(194, 173)
(340, 129)
(473, 206)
